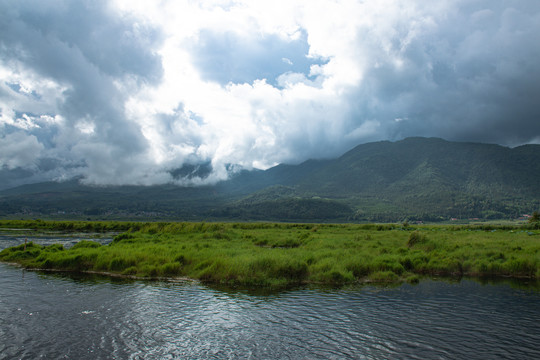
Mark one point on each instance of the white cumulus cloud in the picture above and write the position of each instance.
(126, 92)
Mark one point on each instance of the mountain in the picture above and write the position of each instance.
(416, 179)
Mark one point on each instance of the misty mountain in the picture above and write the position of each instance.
(416, 178)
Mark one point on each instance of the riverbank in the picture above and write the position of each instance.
(268, 254)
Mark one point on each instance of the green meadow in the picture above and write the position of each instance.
(277, 254)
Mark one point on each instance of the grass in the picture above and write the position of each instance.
(274, 254)
(89, 226)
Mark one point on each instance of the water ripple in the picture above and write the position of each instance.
(57, 316)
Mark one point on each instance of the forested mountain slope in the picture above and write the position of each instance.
(415, 179)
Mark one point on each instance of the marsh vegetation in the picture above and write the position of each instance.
(276, 254)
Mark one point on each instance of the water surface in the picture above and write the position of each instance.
(55, 316)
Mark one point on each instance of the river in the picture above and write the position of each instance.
(63, 316)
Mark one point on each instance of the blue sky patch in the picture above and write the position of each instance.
(229, 57)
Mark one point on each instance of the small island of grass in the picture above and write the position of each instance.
(275, 254)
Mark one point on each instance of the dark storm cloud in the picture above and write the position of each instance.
(473, 77)
(114, 45)
(85, 48)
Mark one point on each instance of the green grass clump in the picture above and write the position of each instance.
(416, 238)
(266, 254)
(383, 277)
(22, 253)
(86, 244)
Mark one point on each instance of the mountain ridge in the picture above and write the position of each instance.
(424, 179)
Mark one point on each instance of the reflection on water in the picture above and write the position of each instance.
(58, 316)
(94, 317)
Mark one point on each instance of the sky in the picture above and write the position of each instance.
(126, 92)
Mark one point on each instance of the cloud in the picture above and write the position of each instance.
(19, 151)
(71, 61)
(128, 92)
(469, 75)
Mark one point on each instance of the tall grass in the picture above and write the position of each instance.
(268, 254)
(95, 226)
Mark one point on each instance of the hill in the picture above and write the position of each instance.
(416, 178)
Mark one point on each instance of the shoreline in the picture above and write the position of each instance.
(364, 281)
